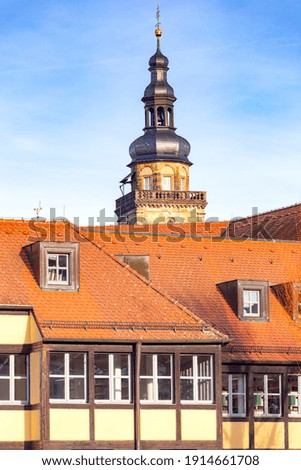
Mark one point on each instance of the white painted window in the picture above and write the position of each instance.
(14, 383)
(156, 378)
(167, 183)
(251, 303)
(234, 395)
(196, 375)
(182, 184)
(68, 377)
(294, 395)
(112, 377)
(267, 395)
(58, 268)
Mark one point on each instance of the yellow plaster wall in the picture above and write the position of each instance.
(158, 425)
(294, 435)
(18, 329)
(19, 425)
(114, 425)
(269, 435)
(35, 378)
(198, 425)
(35, 335)
(69, 424)
(235, 435)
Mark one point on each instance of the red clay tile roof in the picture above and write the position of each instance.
(114, 302)
(279, 224)
(189, 269)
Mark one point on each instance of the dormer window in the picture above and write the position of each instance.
(248, 299)
(55, 264)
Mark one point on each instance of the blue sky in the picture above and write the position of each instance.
(72, 73)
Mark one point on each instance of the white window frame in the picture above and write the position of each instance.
(156, 377)
(297, 396)
(230, 394)
(182, 183)
(195, 378)
(111, 377)
(265, 399)
(67, 376)
(250, 303)
(12, 377)
(57, 268)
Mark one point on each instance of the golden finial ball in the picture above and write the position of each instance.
(158, 32)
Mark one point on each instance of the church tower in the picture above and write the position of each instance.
(159, 178)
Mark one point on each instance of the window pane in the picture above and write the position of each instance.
(273, 383)
(146, 364)
(62, 261)
(204, 390)
(164, 365)
(121, 389)
(52, 261)
(238, 383)
(101, 364)
(102, 389)
(146, 389)
(255, 308)
(4, 390)
(20, 365)
(204, 369)
(186, 389)
(164, 389)
(4, 365)
(274, 405)
(121, 364)
(77, 389)
(57, 388)
(76, 363)
(62, 277)
(57, 364)
(186, 366)
(238, 404)
(20, 390)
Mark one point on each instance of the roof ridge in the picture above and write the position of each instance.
(266, 212)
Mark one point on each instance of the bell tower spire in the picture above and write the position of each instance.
(159, 175)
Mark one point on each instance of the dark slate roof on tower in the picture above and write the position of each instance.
(159, 141)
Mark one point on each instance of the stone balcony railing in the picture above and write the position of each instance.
(130, 200)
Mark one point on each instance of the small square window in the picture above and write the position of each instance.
(58, 268)
(68, 377)
(251, 303)
(14, 379)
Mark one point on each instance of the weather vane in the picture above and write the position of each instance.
(38, 209)
(158, 31)
(158, 17)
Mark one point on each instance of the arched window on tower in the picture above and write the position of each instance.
(147, 178)
(161, 116)
(170, 117)
(151, 118)
(167, 178)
